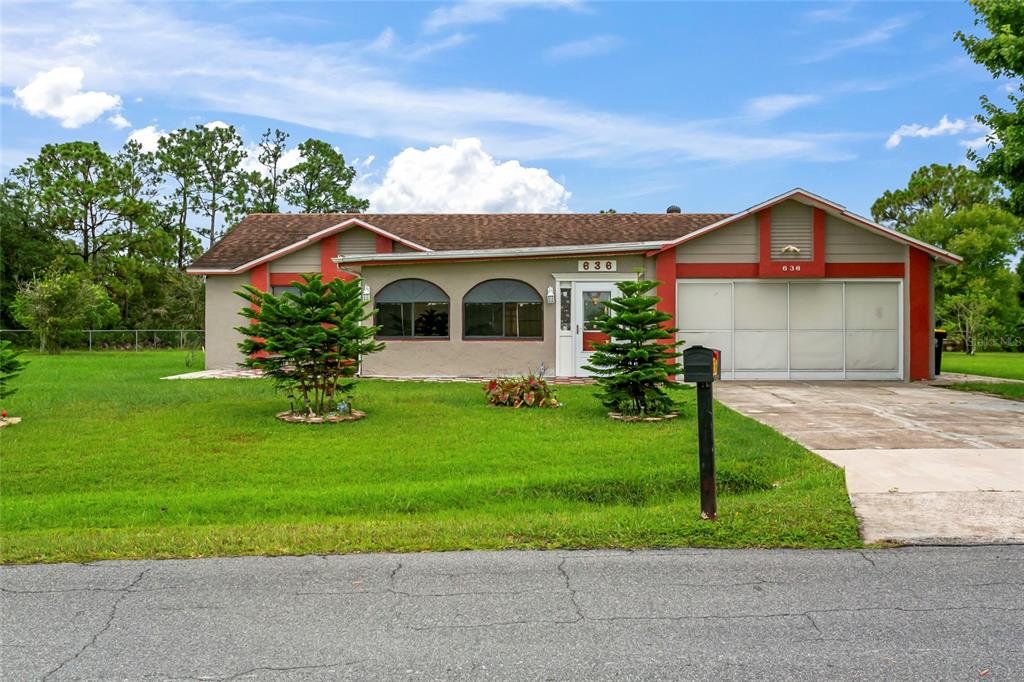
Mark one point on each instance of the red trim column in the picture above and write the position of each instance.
(384, 245)
(665, 272)
(259, 277)
(919, 283)
(329, 251)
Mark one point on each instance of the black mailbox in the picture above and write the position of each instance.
(701, 364)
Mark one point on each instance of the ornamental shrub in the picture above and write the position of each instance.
(633, 367)
(526, 391)
(309, 342)
(10, 367)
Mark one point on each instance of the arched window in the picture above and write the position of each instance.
(412, 308)
(503, 308)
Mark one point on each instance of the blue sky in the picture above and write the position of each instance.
(557, 105)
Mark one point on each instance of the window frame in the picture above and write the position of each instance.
(504, 312)
(413, 303)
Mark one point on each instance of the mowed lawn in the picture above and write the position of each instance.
(110, 462)
(1005, 365)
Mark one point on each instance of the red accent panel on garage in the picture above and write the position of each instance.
(864, 270)
(769, 267)
(259, 277)
(920, 315)
(385, 245)
(665, 272)
(329, 251)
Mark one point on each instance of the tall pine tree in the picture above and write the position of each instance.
(633, 367)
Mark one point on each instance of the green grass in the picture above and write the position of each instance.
(1005, 365)
(1013, 391)
(109, 462)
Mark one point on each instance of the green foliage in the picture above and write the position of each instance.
(10, 366)
(309, 342)
(978, 299)
(219, 153)
(527, 391)
(936, 187)
(58, 303)
(320, 182)
(634, 365)
(1002, 53)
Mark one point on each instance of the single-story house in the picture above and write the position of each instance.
(796, 287)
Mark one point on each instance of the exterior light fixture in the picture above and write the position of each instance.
(551, 294)
(366, 293)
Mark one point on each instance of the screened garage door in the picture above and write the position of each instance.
(796, 330)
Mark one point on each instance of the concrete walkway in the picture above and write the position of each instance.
(923, 464)
(915, 613)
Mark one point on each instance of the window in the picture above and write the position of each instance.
(412, 308)
(277, 290)
(503, 308)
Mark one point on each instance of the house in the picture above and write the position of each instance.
(796, 287)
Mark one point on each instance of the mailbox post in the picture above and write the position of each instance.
(703, 366)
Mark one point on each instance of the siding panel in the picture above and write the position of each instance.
(847, 243)
(792, 226)
(303, 260)
(736, 243)
(356, 242)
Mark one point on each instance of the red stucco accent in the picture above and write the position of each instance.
(665, 272)
(769, 267)
(329, 250)
(919, 282)
(384, 245)
(259, 277)
(864, 269)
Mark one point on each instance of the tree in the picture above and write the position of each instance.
(26, 244)
(1002, 53)
(948, 188)
(177, 160)
(79, 194)
(272, 147)
(59, 303)
(319, 183)
(633, 367)
(10, 367)
(309, 342)
(219, 153)
(980, 296)
(138, 181)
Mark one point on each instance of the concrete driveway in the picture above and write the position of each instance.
(923, 464)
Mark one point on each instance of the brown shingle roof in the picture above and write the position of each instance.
(262, 233)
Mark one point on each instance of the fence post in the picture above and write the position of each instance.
(136, 339)
(90, 340)
(181, 339)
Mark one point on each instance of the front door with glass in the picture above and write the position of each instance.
(589, 302)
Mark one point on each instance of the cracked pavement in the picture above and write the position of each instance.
(920, 613)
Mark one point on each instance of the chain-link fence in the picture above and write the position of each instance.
(114, 339)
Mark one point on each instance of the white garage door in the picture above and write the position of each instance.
(796, 330)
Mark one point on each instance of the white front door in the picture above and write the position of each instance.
(589, 301)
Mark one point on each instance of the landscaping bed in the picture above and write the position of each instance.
(110, 462)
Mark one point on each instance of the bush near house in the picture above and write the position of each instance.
(527, 391)
(633, 367)
(309, 343)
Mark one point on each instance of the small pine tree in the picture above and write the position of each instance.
(309, 342)
(10, 367)
(633, 367)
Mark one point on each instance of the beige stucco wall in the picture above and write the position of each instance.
(222, 317)
(455, 356)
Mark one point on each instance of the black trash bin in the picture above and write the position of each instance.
(940, 336)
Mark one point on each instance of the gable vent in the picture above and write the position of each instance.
(356, 241)
(792, 232)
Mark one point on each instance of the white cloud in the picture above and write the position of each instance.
(463, 178)
(771, 106)
(981, 141)
(879, 34)
(58, 93)
(369, 160)
(148, 137)
(588, 47)
(835, 12)
(214, 67)
(944, 127)
(484, 11)
(212, 125)
(251, 162)
(119, 121)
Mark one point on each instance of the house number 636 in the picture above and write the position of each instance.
(791, 268)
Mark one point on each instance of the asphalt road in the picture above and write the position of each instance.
(932, 613)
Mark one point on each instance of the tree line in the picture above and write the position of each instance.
(92, 239)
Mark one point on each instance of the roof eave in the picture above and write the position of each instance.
(519, 252)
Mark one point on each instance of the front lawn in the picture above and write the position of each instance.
(110, 462)
(1005, 365)
(1013, 391)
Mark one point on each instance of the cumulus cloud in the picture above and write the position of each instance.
(57, 93)
(212, 125)
(944, 127)
(579, 49)
(463, 178)
(771, 106)
(148, 137)
(119, 121)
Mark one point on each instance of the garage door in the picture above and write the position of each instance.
(796, 330)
